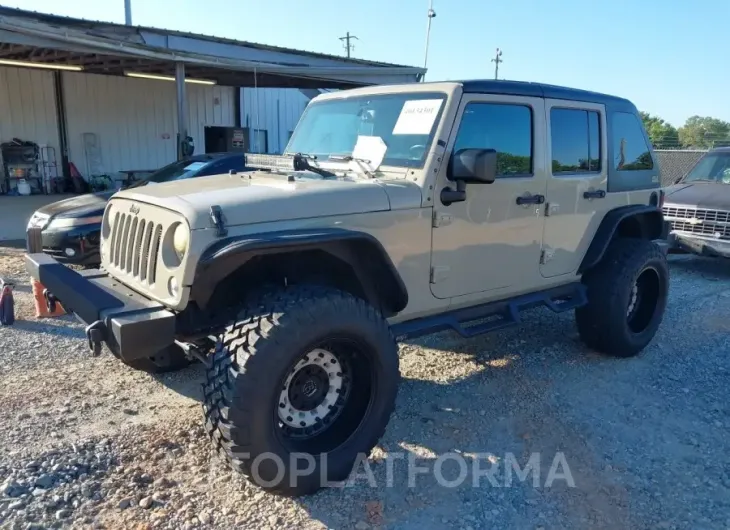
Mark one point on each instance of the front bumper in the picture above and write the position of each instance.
(131, 325)
(701, 246)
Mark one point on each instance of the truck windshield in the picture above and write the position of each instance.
(713, 167)
(405, 122)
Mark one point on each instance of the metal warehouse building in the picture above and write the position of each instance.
(103, 98)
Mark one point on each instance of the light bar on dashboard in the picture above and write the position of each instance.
(258, 161)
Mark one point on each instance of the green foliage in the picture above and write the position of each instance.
(704, 132)
(662, 135)
(698, 132)
(509, 164)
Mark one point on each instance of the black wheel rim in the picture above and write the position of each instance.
(324, 395)
(643, 300)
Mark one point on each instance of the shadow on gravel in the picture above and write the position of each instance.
(453, 442)
(49, 328)
(187, 382)
(713, 269)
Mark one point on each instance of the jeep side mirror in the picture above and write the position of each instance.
(474, 166)
(469, 166)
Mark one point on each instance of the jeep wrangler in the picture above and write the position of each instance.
(394, 212)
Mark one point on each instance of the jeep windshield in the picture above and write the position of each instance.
(406, 123)
(713, 167)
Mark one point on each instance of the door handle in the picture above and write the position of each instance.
(530, 199)
(596, 194)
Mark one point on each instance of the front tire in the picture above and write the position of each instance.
(300, 386)
(627, 295)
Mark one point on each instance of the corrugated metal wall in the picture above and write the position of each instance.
(275, 110)
(28, 107)
(135, 119)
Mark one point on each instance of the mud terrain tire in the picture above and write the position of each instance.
(627, 296)
(253, 405)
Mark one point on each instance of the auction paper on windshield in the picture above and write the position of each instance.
(372, 149)
(417, 116)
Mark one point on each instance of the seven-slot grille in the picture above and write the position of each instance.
(713, 223)
(134, 246)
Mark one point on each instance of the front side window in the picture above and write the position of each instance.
(576, 141)
(405, 122)
(505, 128)
(630, 150)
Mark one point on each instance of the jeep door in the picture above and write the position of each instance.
(576, 184)
(492, 240)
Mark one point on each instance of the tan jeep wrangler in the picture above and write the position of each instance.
(396, 211)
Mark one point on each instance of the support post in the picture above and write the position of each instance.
(182, 115)
(128, 12)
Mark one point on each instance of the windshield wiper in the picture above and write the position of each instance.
(361, 162)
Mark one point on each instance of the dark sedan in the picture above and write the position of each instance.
(697, 207)
(70, 228)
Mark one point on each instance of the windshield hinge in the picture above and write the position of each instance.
(216, 217)
(441, 219)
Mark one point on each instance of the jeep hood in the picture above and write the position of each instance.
(710, 195)
(261, 198)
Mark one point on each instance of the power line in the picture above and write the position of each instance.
(346, 43)
(497, 59)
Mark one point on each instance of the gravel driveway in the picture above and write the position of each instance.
(90, 443)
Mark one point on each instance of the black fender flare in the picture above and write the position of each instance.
(362, 251)
(651, 221)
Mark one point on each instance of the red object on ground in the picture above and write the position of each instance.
(7, 304)
(41, 311)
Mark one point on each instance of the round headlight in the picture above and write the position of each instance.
(180, 240)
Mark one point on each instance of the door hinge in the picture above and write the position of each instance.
(546, 255)
(439, 273)
(551, 209)
(441, 219)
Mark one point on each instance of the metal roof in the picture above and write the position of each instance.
(109, 48)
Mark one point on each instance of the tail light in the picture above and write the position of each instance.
(657, 199)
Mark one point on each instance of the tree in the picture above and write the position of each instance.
(662, 135)
(701, 132)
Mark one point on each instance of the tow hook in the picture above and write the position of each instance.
(50, 301)
(95, 334)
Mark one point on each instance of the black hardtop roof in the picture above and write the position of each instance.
(540, 90)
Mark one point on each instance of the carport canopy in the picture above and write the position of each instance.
(117, 49)
(38, 40)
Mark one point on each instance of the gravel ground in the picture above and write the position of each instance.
(90, 443)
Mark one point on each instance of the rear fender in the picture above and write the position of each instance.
(638, 220)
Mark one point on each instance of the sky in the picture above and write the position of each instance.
(670, 57)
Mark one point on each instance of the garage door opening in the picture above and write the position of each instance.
(225, 139)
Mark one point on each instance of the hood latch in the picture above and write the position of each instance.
(216, 217)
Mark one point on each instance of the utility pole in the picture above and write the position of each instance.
(347, 44)
(431, 14)
(128, 12)
(497, 59)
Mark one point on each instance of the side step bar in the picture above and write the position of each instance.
(499, 315)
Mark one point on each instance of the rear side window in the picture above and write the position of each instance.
(505, 128)
(576, 141)
(630, 150)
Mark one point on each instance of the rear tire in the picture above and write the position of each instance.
(627, 295)
(305, 379)
(171, 359)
